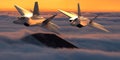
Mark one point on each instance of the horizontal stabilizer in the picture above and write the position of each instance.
(21, 20)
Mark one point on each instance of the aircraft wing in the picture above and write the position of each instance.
(70, 15)
(99, 26)
(48, 20)
(52, 27)
(23, 12)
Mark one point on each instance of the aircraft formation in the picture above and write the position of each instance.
(28, 18)
(34, 18)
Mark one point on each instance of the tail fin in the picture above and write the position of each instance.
(23, 11)
(79, 12)
(36, 9)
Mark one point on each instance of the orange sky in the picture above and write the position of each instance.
(69, 5)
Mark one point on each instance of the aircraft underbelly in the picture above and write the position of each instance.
(35, 22)
(84, 22)
(79, 25)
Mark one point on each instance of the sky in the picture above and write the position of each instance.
(69, 5)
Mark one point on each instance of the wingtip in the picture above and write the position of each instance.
(59, 9)
(15, 5)
(107, 31)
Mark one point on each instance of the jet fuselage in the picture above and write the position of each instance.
(80, 22)
(33, 21)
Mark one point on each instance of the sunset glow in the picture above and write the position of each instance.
(69, 5)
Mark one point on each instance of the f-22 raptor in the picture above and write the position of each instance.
(34, 18)
(80, 21)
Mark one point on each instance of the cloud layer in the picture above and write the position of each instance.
(93, 44)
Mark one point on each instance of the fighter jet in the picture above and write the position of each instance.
(80, 21)
(34, 18)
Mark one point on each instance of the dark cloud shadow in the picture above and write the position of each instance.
(50, 40)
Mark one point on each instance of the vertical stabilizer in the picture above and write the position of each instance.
(36, 9)
(23, 11)
(79, 12)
